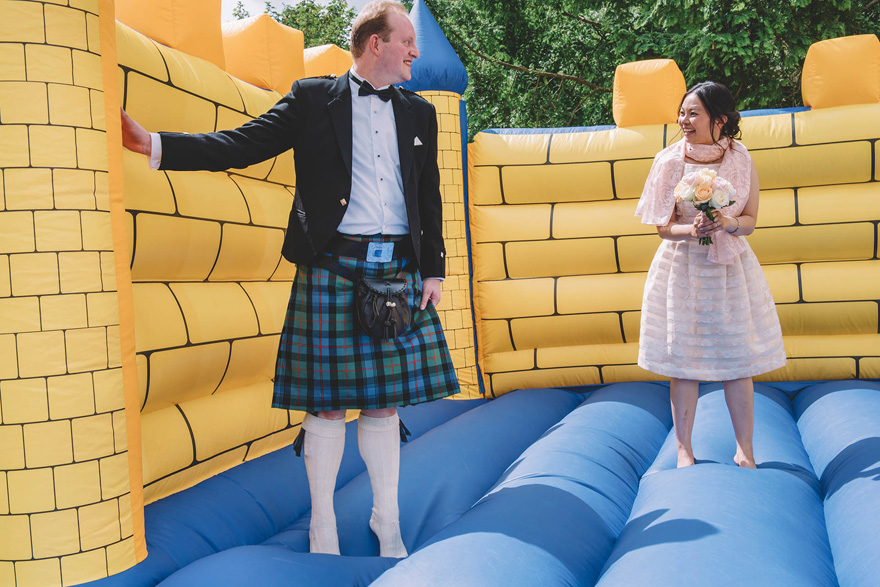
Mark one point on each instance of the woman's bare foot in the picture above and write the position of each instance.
(744, 461)
(685, 459)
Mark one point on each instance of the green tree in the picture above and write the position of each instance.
(319, 24)
(240, 11)
(551, 63)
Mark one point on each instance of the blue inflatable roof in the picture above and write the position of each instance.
(438, 67)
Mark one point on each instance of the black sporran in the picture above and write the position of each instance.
(382, 307)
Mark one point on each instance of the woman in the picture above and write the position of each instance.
(707, 312)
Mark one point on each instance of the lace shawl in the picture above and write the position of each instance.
(657, 203)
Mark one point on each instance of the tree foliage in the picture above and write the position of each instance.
(755, 47)
(320, 24)
(240, 12)
(550, 63)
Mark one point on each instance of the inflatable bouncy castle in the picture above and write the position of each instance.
(140, 312)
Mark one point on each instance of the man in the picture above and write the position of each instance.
(366, 173)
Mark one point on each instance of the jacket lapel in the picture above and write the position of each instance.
(406, 132)
(340, 114)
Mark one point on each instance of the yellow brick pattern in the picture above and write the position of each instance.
(59, 344)
(204, 247)
(560, 261)
(455, 302)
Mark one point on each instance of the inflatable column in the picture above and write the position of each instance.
(70, 490)
(326, 60)
(440, 77)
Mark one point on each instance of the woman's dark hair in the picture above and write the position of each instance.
(718, 102)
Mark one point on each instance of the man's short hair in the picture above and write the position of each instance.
(373, 20)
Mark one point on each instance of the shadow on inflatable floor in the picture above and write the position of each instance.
(559, 487)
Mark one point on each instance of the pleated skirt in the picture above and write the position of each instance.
(706, 321)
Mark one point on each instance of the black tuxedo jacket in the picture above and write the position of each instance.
(314, 119)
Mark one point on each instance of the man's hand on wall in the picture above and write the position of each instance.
(134, 137)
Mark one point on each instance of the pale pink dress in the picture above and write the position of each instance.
(703, 320)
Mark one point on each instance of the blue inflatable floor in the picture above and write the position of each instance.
(559, 487)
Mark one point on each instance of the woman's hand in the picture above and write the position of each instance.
(704, 227)
(695, 229)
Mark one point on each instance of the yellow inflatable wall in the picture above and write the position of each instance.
(138, 335)
(560, 261)
(70, 491)
(264, 52)
(209, 286)
(326, 60)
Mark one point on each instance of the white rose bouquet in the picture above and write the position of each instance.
(707, 191)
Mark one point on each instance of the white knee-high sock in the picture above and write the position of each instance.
(322, 452)
(379, 445)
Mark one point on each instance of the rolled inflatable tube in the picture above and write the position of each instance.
(776, 439)
(840, 425)
(444, 472)
(276, 566)
(250, 503)
(715, 524)
(553, 517)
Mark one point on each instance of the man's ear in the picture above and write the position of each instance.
(373, 44)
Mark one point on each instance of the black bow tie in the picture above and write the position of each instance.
(367, 89)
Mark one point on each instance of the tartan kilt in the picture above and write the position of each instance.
(325, 362)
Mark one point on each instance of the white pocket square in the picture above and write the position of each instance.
(417, 142)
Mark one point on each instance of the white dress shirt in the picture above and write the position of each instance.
(376, 205)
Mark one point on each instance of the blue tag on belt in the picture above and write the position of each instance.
(380, 252)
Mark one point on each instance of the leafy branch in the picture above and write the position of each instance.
(546, 74)
(592, 23)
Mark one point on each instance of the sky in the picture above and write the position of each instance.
(256, 7)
